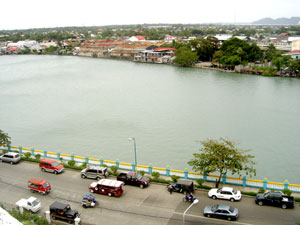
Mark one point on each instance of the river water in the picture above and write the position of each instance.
(92, 106)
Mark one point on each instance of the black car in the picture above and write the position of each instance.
(182, 186)
(63, 211)
(275, 198)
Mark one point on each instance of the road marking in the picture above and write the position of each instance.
(212, 218)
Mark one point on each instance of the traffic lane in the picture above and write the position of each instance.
(249, 212)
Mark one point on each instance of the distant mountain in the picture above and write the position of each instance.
(279, 21)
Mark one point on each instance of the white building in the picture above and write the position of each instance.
(137, 38)
(7, 219)
(32, 45)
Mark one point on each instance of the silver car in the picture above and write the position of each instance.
(94, 172)
(221, 211)
(10, 157)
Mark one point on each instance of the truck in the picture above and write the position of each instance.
(133, 178)
(31, 204)
(275, 198)
(62, 211)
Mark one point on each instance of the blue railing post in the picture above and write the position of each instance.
(72, 156)
(265, 183)
(58, 155)
(20, 149)
(117, 163)
(133, 167)
(45, 153)
(224, 179)
(150, 168)
(32, 151)
(244, 181)
(186, 173)
(286, 184)
(168, 171)
(87, 159)
(204, 176)
(8, 148)
(101, 161)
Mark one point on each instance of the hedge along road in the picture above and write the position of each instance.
(152, 205)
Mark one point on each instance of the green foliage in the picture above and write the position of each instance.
(287, 192)
(27, 155)
(159, 180)
(297, 199)
(295, 66)
(37, 156)
(200, 182)
(104, 165)
(142, 172)
(71, 163)
(114, 169)
(175, 178)
(83, 165)
(261, 191)
(249, 193)
(185, 57)
(222, 157)
(28, 218)
(4, 138)
(30, 159)
(155, 175)
(205, 48)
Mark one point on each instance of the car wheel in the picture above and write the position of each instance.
(232, 199)
(31, 190)
(260, 203)
(208, 215)
(92, 191)
(283, 206)
(43, 169)
(229, 218)
(141, 186)
(53, 217)
(70, 221)
(55, 172)
(214, 197)
(83, 176)
(11, 162)
(109, 194)
(184, 199)
(98, 178)
(84, 206)
(205, 215)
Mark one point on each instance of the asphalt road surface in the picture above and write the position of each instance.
(151, 205)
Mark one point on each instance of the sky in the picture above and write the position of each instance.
(24, 14)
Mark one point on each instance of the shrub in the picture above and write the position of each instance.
(155, 175)
(297, 199)
(142, 172)
(200, 182)
(71, 163)
(104, 165)
(5, 151)
(83, 165)
(174, 178)
(249, 193)
(37, 156)
(159, 180)
(261, 191)
(27, 155)
(287, 192)
(114, 169)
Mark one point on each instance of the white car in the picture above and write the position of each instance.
(31, 204)
(227, 193)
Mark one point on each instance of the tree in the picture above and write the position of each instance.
(222, 156)
(185, 57)
(4, 138)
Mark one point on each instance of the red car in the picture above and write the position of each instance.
(37, 185)
(51, 166)
(107, 187)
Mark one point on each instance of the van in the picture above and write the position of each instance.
(107, 187)
(51, 166)
(10, 157)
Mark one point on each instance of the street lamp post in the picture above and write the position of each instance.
(194, 202)
(134, 144)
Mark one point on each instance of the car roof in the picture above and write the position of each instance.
(185, 182)
(48, 160)
(36, 181)
(11, 153)
(223, 207)
(111, 183)
(96, 167)
(227, 189)
(31, 199)
(58, 205)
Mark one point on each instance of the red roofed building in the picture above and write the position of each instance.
(137, 38)
(169, 38)
(294, 54)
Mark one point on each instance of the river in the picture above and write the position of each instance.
(92, 106)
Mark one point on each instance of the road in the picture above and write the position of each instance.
(152, 205)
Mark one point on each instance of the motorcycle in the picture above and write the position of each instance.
(88, 200)
(189, 198)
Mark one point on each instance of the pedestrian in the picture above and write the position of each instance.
(170, 190)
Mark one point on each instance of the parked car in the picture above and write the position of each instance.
(182, 186)
(63, 211)
(10, 157)
(275, 198)
(107, 187)
(94, 172)
(225, 193)
(52, 166)
(221, 211)
(31, 204)
(40, 186)
(133, 178)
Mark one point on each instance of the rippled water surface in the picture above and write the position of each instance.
(91, 106)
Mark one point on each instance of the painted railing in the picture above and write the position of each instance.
(265, 184)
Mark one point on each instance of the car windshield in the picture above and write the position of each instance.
(35, 202)
(231, 209)
(55, 164)
(45, 185)
(214, 207)
(139, 176)
(234, 191)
